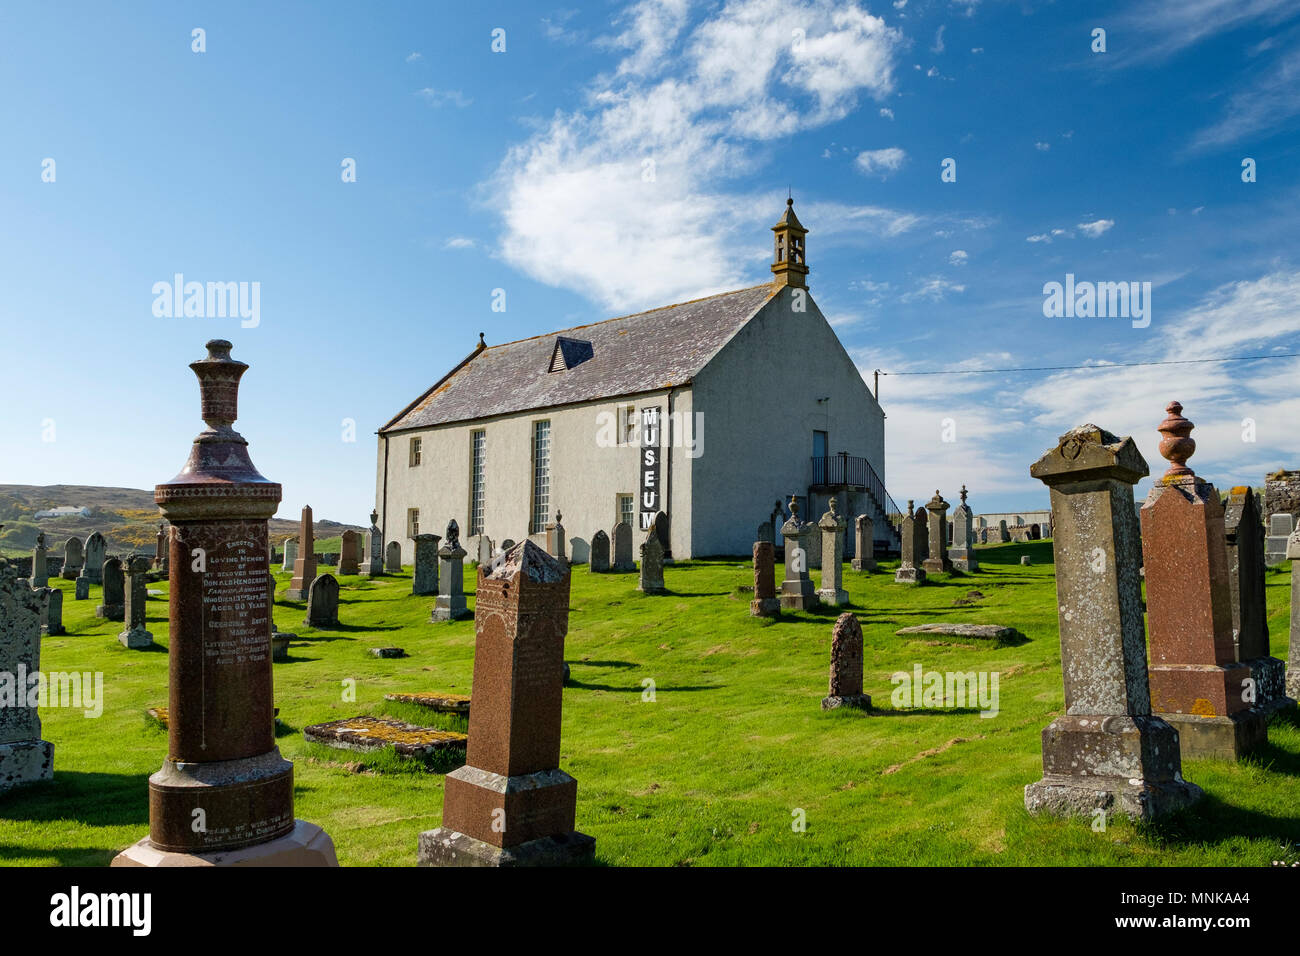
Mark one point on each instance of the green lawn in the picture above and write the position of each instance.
(715, 768)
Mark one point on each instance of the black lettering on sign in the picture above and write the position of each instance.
(650, 505)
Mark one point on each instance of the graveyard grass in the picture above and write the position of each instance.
(715, 769)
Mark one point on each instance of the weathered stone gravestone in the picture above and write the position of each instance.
(92, 568)
(1107, 752)
(24, 756)
(1280, 527)
(624, 563)
(484, 549)
(864, 544)
(662, 529)
(373, 564)
(511, 805)
(962, 553)
(797, 592)
(424, 579)
(938, 560)
(832, 526)
(73, 558)
(136, 634)
(766, 532)
(290, 546)
(450, 604)
(1003, 534)
(910, 570)
(652, 564)
(765, 602)
(599, 561)
(1293, 642)
(556, 540)
(224, 795)
(304, 566)
(323, 601)
(1026, 560)
(846, 666)
(279, 639)
(113, 597)
(160, 547)
(393, 557)
(350, 553)
(40, 563)
(81, 587)
(51, 610)
(1196, 683)
(507, 544)
(1244, 536)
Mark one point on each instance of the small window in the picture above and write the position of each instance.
(415, 451)
(412, 522)
(626, 508)
(627, 425)
(569, 353)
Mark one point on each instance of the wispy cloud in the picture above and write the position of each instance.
(444, 97)
(1095, 228)
(884, 161)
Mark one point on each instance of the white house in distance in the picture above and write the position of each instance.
(756, 399)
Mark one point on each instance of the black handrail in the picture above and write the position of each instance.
(844, 469)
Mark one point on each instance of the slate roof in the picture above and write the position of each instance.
(635, 353)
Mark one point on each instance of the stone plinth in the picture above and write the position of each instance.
(511, 805)
(424, 578)
(304, 566)
(864, 532)
(24, 756)
(832, 526)
(765, 602)
(373, 565)
(1197, 684)
(450, 604)
(937, 525)
(1107, 752)
(912, 533)
(846, 666)
(223, 787)
(797, 593)
(557, 539)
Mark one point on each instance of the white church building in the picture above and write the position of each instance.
(747, 399)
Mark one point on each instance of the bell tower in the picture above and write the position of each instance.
(789, 264)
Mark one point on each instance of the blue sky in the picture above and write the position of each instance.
(620, 156)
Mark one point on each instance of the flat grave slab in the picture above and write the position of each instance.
(374, 733)
(984, 632)
(443, 703)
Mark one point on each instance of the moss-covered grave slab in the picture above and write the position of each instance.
(375, 733)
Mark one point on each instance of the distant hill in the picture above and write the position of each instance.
(126, 517)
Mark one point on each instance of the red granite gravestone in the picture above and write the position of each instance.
(224, 796)
(1196, 682)
(511, 805)
(304, 566)
(765, 602)
(846, 666)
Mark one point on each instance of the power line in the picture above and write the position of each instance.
(1095, 368)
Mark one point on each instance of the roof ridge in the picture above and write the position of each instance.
(630, 315)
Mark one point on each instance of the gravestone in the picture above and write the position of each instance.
(652, 564)
(556, 540)
(373, 565)
(1293, 638)
(160, 547)
(864, 535)
(424, 578)
(846, 666)
(938, 560)
(962, 553)
(323, 601)
(304, 566)
(507, 544)
(1197, 685)
(1280, 527)
(92, 568)
(24, 756)
(662, 529)
(81, 587)
(350, 553)
(1244, 536)
(40, 563)
(290, 554)
(766, 532)
(765, 602)
(1026, 560)
(73, 558)
(1107, 752)
(393, 557)
(623, 560)
(1003, 534)
(797, 592)
(279, 639)
(224, 795)
(136, 635)
(832, 526)
(450, 604)
(912, 535)
(51, 610)
(484, 549)
(511, 805)
(599, 561)
(113, 596)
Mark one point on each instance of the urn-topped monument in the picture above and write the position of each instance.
(224, 795)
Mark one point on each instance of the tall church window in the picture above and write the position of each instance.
(541, 476)
(477, 490)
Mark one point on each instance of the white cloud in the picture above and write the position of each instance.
(444, 97)
(958, 257)
(933, 71)
(1039, 237)
(938, 39)
(1094, 229)
(1042, 147)
(637, 174)
(1271, 101)
(1174, 25)
(932, 289)
(886, 160)
(411, 58)
(886, 112)
(977, 49)
(459, 242)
